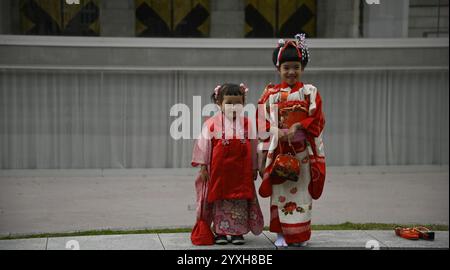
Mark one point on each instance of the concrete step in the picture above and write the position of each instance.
(181, 241)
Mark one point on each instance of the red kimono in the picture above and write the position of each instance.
(231, 159)
(291, 202)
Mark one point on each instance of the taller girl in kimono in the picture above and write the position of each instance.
(226, 152)
(293, 116)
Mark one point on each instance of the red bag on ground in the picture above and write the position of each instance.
(202, 234)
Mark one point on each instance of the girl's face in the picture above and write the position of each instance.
(232, 106)
(290, 72)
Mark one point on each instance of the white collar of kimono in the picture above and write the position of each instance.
(287, 89)
(231, 126)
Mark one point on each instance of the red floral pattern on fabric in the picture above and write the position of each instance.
(289, 208)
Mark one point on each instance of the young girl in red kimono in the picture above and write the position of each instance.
(226, 152)
(291, 202)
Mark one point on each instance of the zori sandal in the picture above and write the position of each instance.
(425, 233)
(407, 233)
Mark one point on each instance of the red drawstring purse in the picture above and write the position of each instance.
(285, 167)
(201, 234)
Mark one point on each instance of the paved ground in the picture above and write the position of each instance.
(181, 241)
(39, 201)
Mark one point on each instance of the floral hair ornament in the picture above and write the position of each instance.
(217, 91)
(244, 88)
(301, 42)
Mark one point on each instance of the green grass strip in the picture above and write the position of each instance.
(334, 227)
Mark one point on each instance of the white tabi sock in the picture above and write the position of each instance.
(280, 242)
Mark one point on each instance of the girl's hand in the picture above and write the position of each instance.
(261, 172)
(292, 130)
(262, 163)
(282, 135)
(204, 173)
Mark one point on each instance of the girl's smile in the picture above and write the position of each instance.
(290, 72)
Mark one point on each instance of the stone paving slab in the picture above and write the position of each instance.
(341, 240)
(336, 240)
(107, 242)
(24, 244)
(182, 241)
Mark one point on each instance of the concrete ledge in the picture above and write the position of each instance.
(133, 42)
(110, 242)
(182, 241)
(336, 240)
(320, 240)
(24, 244)
(196, 54)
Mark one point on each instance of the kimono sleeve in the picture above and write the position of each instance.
(254, 147)
(255, 154)
(315, 123)
(201, 154)
(314, 126)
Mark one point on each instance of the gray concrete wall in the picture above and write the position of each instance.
(227, 18)
(15, 18)
(428, 18)
(117, 18)
(5, 17)
(338, 19)
(9, 17)
(389, 19)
